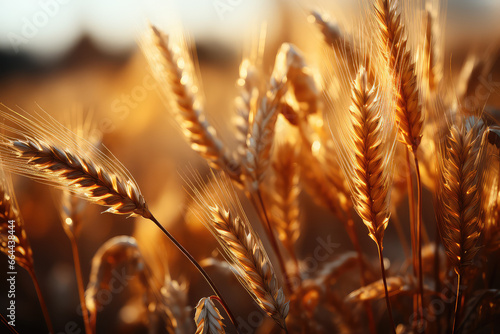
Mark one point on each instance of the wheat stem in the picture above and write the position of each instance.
(351, 231)
(43, 305)
(457, 305)
(419, 236)
(81, 287)
(387, 300)
(199, 268)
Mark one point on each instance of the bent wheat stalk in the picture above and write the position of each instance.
(84, 170)
(409, 116)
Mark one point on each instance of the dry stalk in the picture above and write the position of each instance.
(207, 318)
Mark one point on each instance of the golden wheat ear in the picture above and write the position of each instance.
(393, 41)
(207, 318)
(460, 197)
(38, 147)
(173, 69)
(224, 217)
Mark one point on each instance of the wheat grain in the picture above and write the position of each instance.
(207, 318)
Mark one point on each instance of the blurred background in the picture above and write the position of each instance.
(59, 55)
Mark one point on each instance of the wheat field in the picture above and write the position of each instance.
(352, 186)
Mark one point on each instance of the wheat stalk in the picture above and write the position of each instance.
(207, 318)
(224, 217)
(367, 151)
(171, 67)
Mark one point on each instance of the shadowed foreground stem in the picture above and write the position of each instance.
(43, 305)
(200, 269)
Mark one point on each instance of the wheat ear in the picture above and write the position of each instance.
(393, 40)
(225, 218)
(367, 162)
(171, 67)
(460, 197)
(207, 318)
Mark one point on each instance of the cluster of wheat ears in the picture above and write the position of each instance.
(336, 132)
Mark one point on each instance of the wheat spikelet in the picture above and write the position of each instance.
(44, 150)
(460, 195)
(224, 217)
(393, 39)
(207, 318)
(9, 211)
(171, 66)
